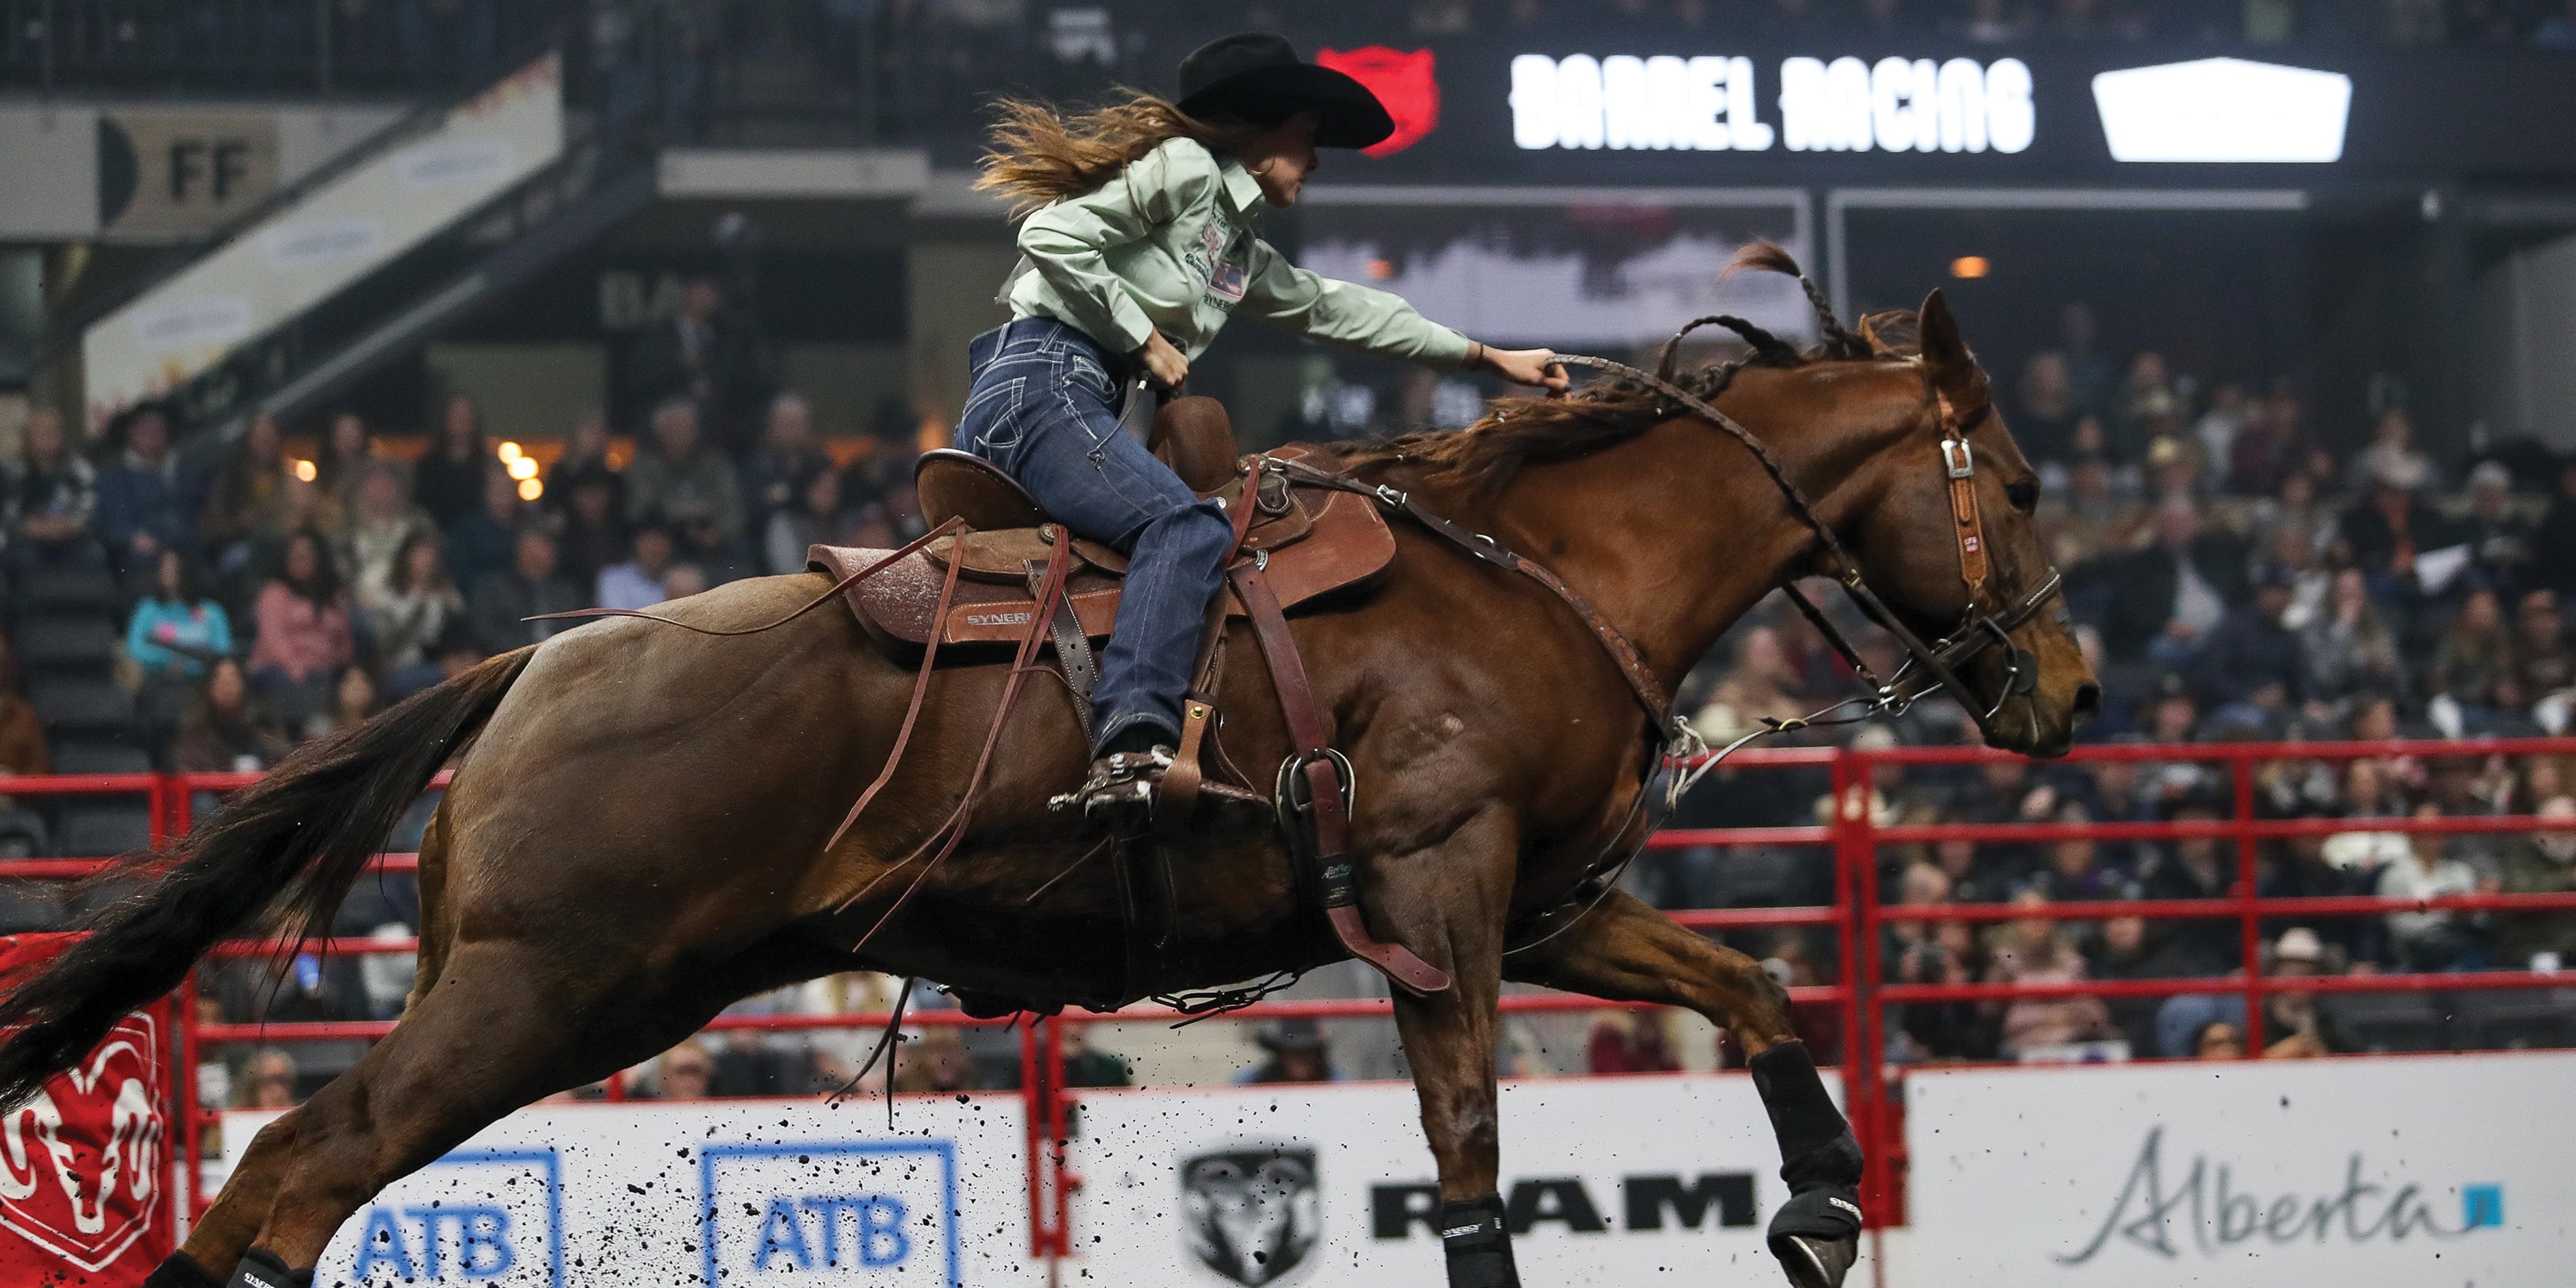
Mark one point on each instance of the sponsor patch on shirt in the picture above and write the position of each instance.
(1225, 276)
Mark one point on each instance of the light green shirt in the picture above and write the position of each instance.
(1169, 245)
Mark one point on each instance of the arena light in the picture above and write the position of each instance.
(521, 468)
(1970, 267)
(508, 451)
(307, 471)
(530, 489)
(2223, 110)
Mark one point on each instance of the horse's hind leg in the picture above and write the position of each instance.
(1625, 951)
(507, 1023)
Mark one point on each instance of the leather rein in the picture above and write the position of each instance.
(1980, 627)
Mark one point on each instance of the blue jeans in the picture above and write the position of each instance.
(1044, 407)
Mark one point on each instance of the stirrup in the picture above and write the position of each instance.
(1120, 790)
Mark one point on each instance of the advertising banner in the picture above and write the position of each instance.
(344, 229)
(2360, 1172)
(1612, 1180)
(85, 1166)
(739, 1192)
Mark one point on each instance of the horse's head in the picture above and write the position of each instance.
(1952, 495)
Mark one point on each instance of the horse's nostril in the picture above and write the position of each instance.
(2088, 700)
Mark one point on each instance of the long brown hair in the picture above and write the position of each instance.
(1038, 153)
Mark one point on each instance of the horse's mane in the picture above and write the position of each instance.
(1525, 431)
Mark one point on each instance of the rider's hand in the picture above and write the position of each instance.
(1527, 367)
(1164, 365)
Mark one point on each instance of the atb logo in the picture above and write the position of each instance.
(488, 1218)
(877, 1213)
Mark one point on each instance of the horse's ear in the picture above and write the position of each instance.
(1953, 368)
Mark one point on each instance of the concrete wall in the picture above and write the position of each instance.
(2527, 308)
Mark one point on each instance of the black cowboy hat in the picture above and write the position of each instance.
(1258, 79)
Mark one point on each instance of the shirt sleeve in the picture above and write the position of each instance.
(1067, 242)
(1284, 295)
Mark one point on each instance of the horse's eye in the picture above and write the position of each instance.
(2024, 495)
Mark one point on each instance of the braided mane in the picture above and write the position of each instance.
(1529, 431)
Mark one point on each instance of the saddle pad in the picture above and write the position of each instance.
(1347, 542)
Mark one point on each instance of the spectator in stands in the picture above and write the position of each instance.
(2168, 597)
(227, 729)
(586, 451)
(2254, 670)
(1630, 1042)
(2075, 870)
(22, 731)
(2193, 867)
(2474, 663)
(52, 499)
(2540, 863)
(268, 1081)
(304, 633)
(528, 587)
(2294, 1026)
(2391, 451)
(448, 483)
(2432, 939)
(2272, 447)
(482, 542)
(2499, 538)
(2217, 428)
(246, 494)
(2392, 525)
(2553, 544)
(2351, 648)
(1763, 682)
(302, 506)
(684, 1072)
(2032, 950)
(680, 480)
(683, 581)
(142, 508)
(177, 629)
(2543, 663)
(2218, 1040)
(381, 522)
(785, 456)
(2123, 952)
(815, 516)
(353, 701)
(348, 453)
(703, 356)
(411, 611)
(1297, 1054)
(2044, 423)
(593, 528)
(639, 582)
(935, 1061)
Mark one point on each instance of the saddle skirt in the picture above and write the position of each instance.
(1315, 541)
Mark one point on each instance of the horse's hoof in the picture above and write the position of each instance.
(1815, 1263)
(1816, 1235)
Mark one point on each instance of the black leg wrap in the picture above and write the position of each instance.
(180, 1271)
(1816, 1233)
(1478, 1244)
(261, 1268)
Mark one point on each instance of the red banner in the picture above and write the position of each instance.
(85, 1166)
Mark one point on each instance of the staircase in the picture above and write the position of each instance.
(393, 244)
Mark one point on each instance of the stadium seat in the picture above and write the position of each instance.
(2517, 1020)
(101, 829)
(100, 758)
(2384, 1022)
(62, 645)
(93, 589)
(82, 706)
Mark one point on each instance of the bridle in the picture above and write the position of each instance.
(1982, 626)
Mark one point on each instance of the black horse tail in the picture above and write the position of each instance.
(297, 839)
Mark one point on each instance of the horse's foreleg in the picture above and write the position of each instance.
(1625, 951)
(1446, 903)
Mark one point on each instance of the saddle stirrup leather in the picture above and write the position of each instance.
(1337, 876)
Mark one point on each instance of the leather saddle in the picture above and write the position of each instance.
(1311, 541)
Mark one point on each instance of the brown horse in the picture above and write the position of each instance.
(636, 832)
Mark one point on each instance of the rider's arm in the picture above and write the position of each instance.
(1066, 241)
(1282, 294)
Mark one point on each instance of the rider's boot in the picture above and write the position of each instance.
(1816, 1233)
(1119, 792)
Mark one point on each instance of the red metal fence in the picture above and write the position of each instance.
(1859, 998)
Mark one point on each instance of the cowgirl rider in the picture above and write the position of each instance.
(1142, 242)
